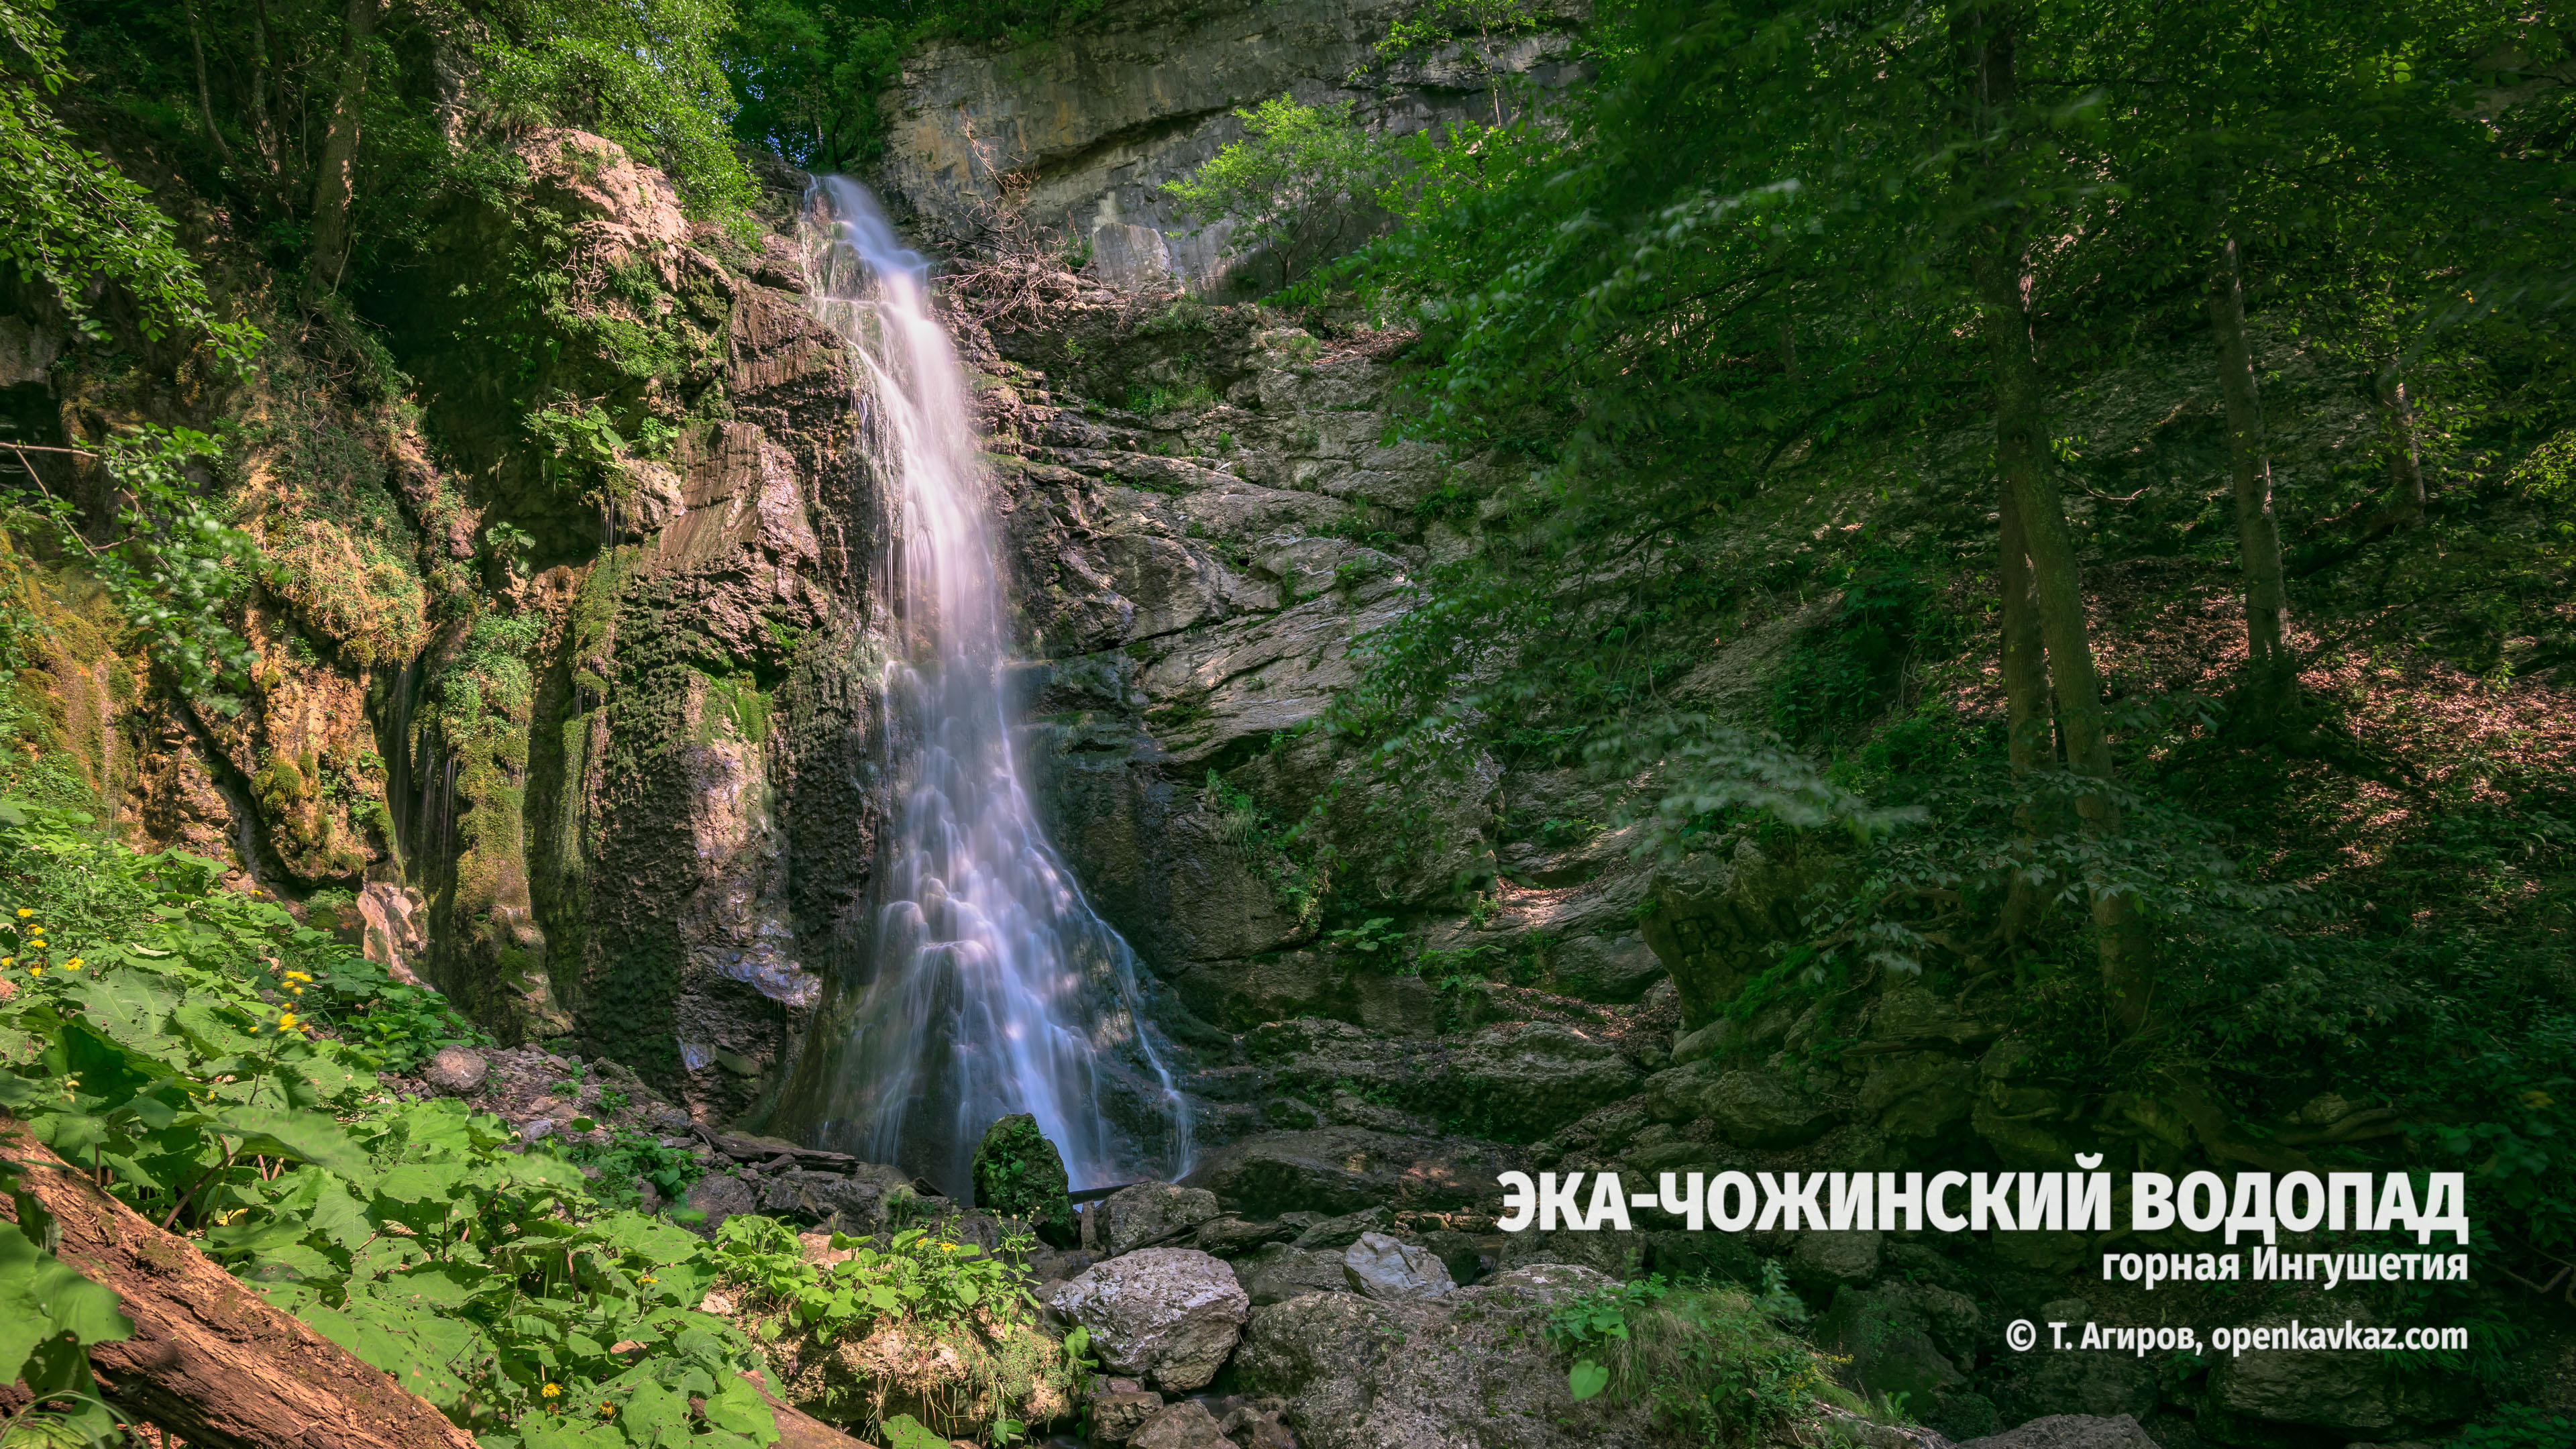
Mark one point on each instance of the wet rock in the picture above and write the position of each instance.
(1466, 1368)
(1459, 1253)
(1380, 1267)
(1168, 1314)
(456, 1070)
(1115, 1416)
(2069, 1431)
(719, 1195)
(1276, 1272)
(1345, 1230)
(1018, 1173)
(1151, 1212)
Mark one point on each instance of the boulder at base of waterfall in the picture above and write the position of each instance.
(1019, 1174)
(1380, 1267)
(2069, 1431)
(1345, 1230)
(1466, 1368)
(1151, 1213)
(1168, 1314)
(1276, 1272)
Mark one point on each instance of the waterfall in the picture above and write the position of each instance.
(987, 985)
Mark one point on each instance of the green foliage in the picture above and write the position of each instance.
(1712, 1365)
(644, 75)
(918, 1274)
(1376, 942)
(150, 1041)
(628, 1156)
(1302, 183)
(2518, 1426)
(1295, 859)
(806, 76)
(176, 566)
(74, 221)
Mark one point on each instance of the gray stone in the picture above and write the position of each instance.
(1184, 1425)
(2069, 1431)
(1116, 1415)
(1608, 1252)
(1526, 1079)
(1276, 1272)
(2358, 1395)
(536, 1131)
(1468, 1368)
(1151, 1212)
(719, 1195)
(1170, 1315)
(1345, 1169)
(1918, 1094)
(1345, 1230)
(1615, 969)
(455, 1069)
(1380, 1267)
(1229, 1237)
(1758, 1109)
(1727, 1037)
(1836, 1257)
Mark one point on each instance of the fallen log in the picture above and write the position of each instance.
(211, 1362)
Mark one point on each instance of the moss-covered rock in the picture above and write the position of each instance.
(1018, 1173)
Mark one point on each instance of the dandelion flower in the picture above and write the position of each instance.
(552, 1391)
(286, 1021)
(24, 913)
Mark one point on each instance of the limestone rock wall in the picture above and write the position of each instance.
(1080, 131)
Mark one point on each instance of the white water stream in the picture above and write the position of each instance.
(989, 986)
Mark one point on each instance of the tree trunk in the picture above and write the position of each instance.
(205, 93)
(2405, 505)
(2029, 732)
(333, 181)
(2258, 535)
(210, 1361)
(272, 152)
(2000, 275)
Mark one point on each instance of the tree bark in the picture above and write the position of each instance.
(210, 1362)
(2029, 732)
(2000, 276)
(334, 181)
(2258, 534)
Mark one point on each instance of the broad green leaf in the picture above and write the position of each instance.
(1586, 1379)
(305, 1136)
(903, 1431)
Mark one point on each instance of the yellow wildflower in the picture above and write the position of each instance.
(73, 964)
(298, 976)
(8, 960)
(35, 970)
(647, 1278)
(286, 1021)
(24, 913)
(552, 1391)
(608, 1411)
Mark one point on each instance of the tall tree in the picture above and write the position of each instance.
(333, 182)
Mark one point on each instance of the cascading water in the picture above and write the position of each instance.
(987, 985)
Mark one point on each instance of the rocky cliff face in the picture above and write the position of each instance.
(1078, 133)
